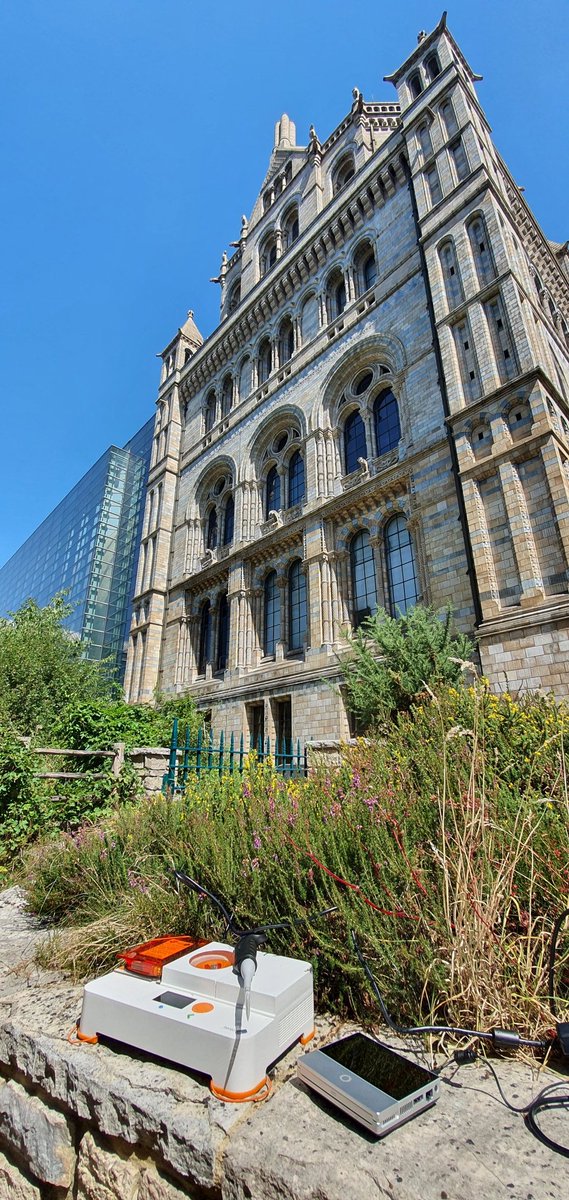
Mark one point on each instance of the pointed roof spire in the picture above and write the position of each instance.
(285, 133)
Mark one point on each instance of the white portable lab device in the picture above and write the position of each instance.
(224, 1011)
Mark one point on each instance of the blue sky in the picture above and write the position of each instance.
(136, 132)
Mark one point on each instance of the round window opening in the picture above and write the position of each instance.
(281, 442)
(362, 383)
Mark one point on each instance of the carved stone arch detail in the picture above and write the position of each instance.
(275, 421)
(222, 464)
(367, 351)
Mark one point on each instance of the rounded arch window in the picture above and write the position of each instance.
(234, 297)
(226, 396)
(296, 479)
(415, 85)
(286, 341)
(291, 227)
(366, 268)
(343, 172)
(400, 563)
(228, 521)
(364, 581)
(222, 633)
(271, 613)
(481, 440)
(272, 492)
(336, 295)
(245, 378)
(309, 320)
(265, 360)
(297, 606)
(211, 529)
(520, 420)
(432, 67)
(355, 446)
(204, 644)
(386, 422)
(451, 274)
(210, 410)
(268, 254)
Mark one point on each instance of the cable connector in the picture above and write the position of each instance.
(505, 1039)
(463, 1057)
(562, 1031)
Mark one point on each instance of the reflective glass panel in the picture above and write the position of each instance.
(364, 584)
(401, 572)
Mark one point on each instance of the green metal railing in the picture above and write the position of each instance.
(205, 756)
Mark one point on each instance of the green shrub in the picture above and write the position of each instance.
(442, 844)
(98, 724)
(391, 659)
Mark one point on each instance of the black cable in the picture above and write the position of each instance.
(552, 956)
(500, 1038)
(186, 879)
(540, 1103)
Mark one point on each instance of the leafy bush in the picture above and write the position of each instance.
(97, 724)
(391, 659)
(444, 843)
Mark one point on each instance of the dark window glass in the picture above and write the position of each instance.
(432, 177)
(401, 573)
(228, 522)
(296, 606)
(449, 117)
(272, 614)
(459, 159)
(369, 271)
(205, 638)
(340, 297)
(364, 585)
(363, 383)
(265, 361)
(211, 535)
(385, 415)
(295, 479)
(222, 633)
(354, 441)
(432, 67)
(226, 397)
(415, 86)
(210, 412)
(273, 492)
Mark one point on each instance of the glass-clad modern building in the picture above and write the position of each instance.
(88, 546)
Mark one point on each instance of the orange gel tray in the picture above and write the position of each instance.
(150, 957)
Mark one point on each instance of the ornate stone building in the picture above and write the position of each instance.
(381, 417)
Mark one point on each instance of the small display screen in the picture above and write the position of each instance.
(174, 999)
(379, 1065)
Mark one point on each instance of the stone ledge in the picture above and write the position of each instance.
(146, 1131)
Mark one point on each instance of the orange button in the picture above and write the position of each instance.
(203, 1006)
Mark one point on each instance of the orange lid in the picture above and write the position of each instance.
(150, 957)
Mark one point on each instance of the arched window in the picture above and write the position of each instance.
(415, 85)
(286, 341)
(451, 276)
(245, 378)
(364, 583)
(211, 529)
(354, 441)
(228, 521)
(205, 637)
(432, 67)
(365, 268)
(209, 411)
(433, 182)
(265, 360)
(295, 479)
(268, 254)
(458, 156)
(449, 120)
(234, 297)
(336, 295)
(226, 396)
(424, 136)
(222, 633)
(481, 251)
(271, 613)
(272, 492)
(400, 562)
(309, 319)
(297, 608)
(343, 173)
(291, 228)
(386, 422)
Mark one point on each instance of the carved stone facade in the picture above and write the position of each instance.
(381, 417)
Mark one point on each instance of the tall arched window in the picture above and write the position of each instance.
(424, 136)
(228, 521)
(336, 295)
(222, 633)
(297, 607)
(245, 378)
(432, 67)
(286, 341)
(415, 85)
(291, 227)
(295, 479)
(364, 583)
(268, 254)
(343, 173)
(226, 396)
(209, 411)
(451, 276)
(211, 529)
(272, 492)
(386, 422)
(481, 251)
(400, 563)
(355, 446)
(309, 319)
(365, 267)
(450, 122)
(205, 637)
(265, 360)
(271, 613)
(234, 297)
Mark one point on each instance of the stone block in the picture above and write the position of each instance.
(41, 1137)
(103, 1174)
(155, 1186)
(14, 1185)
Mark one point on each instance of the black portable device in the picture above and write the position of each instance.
(369, 1081)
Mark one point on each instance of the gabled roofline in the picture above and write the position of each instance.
(424, 45)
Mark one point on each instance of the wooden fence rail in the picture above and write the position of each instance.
(117, 755)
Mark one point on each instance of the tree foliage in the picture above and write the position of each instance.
(43, 668)
(392, 658)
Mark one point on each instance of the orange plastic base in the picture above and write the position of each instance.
(260, 1092)
(91, 1041)
(307, 1037)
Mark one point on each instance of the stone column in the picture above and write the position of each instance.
(558, 483)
